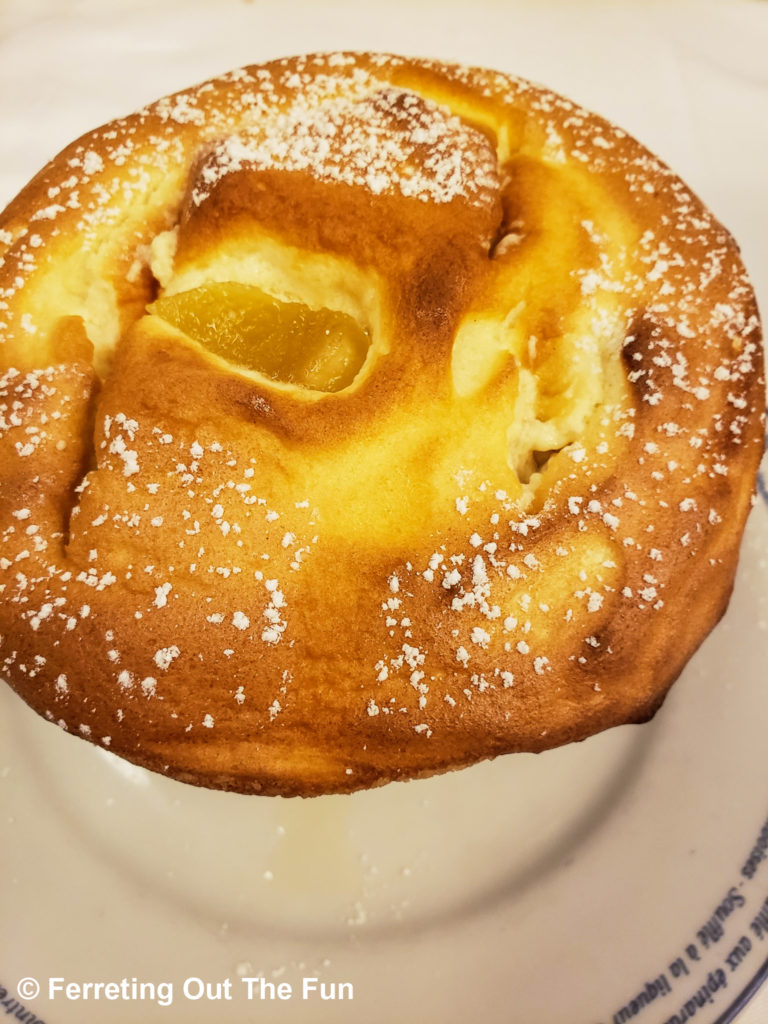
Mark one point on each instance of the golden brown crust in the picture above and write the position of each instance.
(511, 531)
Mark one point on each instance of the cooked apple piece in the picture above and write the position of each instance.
(321, 349)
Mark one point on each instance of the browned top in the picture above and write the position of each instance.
(510, 531)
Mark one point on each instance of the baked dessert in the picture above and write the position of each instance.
(362, 418)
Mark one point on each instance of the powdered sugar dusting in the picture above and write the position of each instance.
(389, 141)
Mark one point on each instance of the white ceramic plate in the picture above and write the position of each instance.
(619, 879)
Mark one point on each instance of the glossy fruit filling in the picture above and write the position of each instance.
(321, 349)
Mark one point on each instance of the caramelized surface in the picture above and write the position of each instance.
(254, 586)
(320, 349)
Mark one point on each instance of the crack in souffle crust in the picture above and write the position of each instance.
(511, 529)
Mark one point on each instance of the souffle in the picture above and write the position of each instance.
(362, 418)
